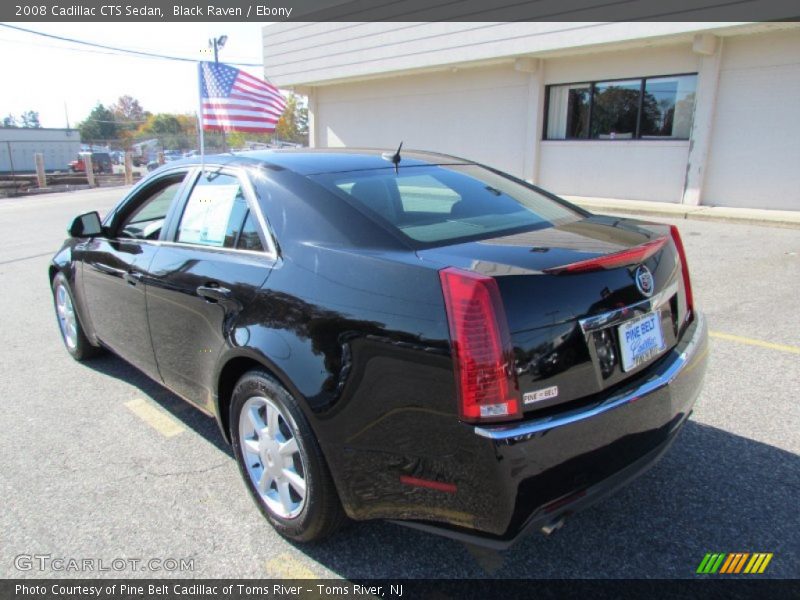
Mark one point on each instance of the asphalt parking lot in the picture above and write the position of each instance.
(97, 461)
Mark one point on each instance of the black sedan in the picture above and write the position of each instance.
(407, 336)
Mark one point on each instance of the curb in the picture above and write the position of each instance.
(752, 216)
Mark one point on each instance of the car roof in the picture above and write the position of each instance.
(314, 161)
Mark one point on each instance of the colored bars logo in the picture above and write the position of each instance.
(734, 562)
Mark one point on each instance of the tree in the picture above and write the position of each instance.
(99, 125)
(287, 127)
(128, 112)
(30, 118)
(175, 132)
(129, 115)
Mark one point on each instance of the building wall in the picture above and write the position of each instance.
(19, 144)
(755, 144)
(373, 91)
(474, 113)
(480, 113)
(633, 170)
(308, 53)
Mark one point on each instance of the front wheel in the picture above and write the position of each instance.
(281, 461)
(75, 341)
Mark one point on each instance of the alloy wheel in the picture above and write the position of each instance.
(66, 317)
(272, 456)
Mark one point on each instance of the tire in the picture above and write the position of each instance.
(284, 471)
(69, 325)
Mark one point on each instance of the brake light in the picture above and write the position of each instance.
(637, 254)
(486, 383)
(687, 282)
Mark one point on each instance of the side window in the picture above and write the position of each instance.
(217, 215)
(214, 213)
(146, 221)
(250, 239)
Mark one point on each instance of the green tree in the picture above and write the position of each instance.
(99, 125)
(10, 121)
(175, 132)
(30, 118)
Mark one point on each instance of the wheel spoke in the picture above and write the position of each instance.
(264, 481)
(297, 482)
(251, 446)
(255, 419)
(283, 493)
(272, 421)
(288, 448)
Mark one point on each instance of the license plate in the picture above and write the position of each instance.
(640, 339)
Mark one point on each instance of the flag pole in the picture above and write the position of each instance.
(200, 116)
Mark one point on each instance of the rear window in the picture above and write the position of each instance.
(444, 204)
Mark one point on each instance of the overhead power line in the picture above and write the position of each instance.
(141, 53)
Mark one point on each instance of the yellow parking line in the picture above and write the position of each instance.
(156, 418)
(286, 567)
(752, 342)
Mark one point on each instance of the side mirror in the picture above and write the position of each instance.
(86, 225)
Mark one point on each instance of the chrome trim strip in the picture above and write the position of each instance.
(260, 253)
(618, 315)
(663, 377)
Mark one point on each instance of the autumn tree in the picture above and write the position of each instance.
(129, 115)
(127, 111)
(293, 124)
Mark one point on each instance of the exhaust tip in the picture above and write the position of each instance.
(553, 525)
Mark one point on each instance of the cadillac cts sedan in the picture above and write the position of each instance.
(413, 337)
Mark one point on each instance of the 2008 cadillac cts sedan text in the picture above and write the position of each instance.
(399, 336)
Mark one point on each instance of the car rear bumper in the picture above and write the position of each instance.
(535, 473)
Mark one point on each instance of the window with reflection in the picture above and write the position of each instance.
(642, 108)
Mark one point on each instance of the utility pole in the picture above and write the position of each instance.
(217, 44)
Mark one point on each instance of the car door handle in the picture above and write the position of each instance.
(214, 293)
(132, 277)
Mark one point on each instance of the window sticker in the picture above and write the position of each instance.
(205, 218)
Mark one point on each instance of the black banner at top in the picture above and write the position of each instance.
(398, 10)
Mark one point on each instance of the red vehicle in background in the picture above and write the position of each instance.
(101, 162)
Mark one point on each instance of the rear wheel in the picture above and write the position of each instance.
(281, 461)
(75, 341)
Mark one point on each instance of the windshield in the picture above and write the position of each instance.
(439, 204)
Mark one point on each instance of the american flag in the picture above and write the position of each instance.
(232, 100)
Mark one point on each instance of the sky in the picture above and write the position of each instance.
(62, 80)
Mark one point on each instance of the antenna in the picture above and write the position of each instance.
(394, 158)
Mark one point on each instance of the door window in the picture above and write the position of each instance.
(147, 219)
(217, 215)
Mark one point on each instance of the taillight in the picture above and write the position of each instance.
(687, 282)
(637, 254)
(486, 383)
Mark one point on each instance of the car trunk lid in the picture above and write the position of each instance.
(578, 320)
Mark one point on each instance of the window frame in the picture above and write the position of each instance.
(249, 193)
(592, 83)
(133, 201)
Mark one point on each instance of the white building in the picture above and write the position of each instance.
(561, 104)
(18, 145)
